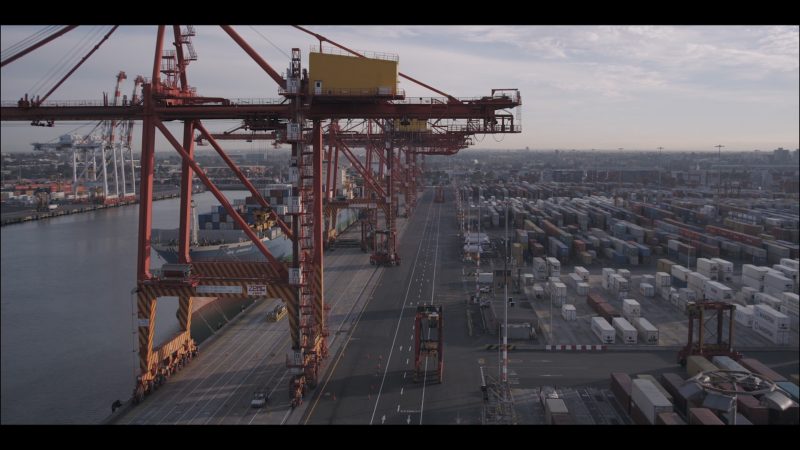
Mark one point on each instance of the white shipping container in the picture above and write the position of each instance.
(557, 289)
(620, 283)
(793, 263)
(553, 267)
(582, 272)
(756, 272)
(606, 277)
(625, 273)
(748, 294)
(667, 292)
(553, 406)
(582, 289)
(663, 279)
(647, 331)
(568, 312)
(631, 307)
(539, 268)
(649, 399)
(768, 315)
(687, 294)
(754, 283)
(680, 273)
(603, 330)
(574, 279)
(697, 280)
(776, 336)
(527, 279)
(764, 298)
(774, 281)
(538, 291)
(724, 266)
(625, 330)
(647, 290)
(649, 279)
(790, 299)
(707, 267)
(744, 315)
(718, 292)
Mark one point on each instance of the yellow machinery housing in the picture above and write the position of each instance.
(340, 75)
(415, 126)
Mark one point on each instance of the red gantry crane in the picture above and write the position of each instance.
(309, 100)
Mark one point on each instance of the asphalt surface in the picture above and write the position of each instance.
(372, 381)
(248, 355)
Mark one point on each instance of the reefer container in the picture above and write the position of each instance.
(769, 316)
(603, 330)
(649, 399)
(626, 331)
(647, 290)
(631, 308)
(718, 292)
(554, 406)
(648, 333)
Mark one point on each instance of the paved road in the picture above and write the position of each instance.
(372, 381)
(249, 355)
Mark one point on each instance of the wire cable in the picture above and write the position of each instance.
(27, 42)
(65, 61)
(278, 48)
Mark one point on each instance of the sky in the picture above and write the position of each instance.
(683, 88)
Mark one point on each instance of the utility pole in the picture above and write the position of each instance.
(505, 327)
(719, 178)
(660, 168)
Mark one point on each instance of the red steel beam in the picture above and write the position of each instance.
(184, 238)
(221, 198)
(38, 44)
(256, 57)
(176, 30)
(216, 112)
(146, 187)
(376, 187)
(261, 200)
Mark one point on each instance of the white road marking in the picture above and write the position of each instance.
(397, 329)
(401, 391)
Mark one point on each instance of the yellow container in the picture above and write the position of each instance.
(351, 76)
(416, 126)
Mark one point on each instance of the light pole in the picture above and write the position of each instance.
(719, 175)
(660, 168)
(505, 327)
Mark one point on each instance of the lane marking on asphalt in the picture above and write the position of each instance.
(401, 391)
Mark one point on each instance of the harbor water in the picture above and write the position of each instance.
(68, 343)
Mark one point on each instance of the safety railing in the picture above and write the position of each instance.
(359, 92)
(371, 55)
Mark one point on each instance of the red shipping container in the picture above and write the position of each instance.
(752, 409)
(621, 387)
(703, 416)
(756, 366)
(671, 418)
